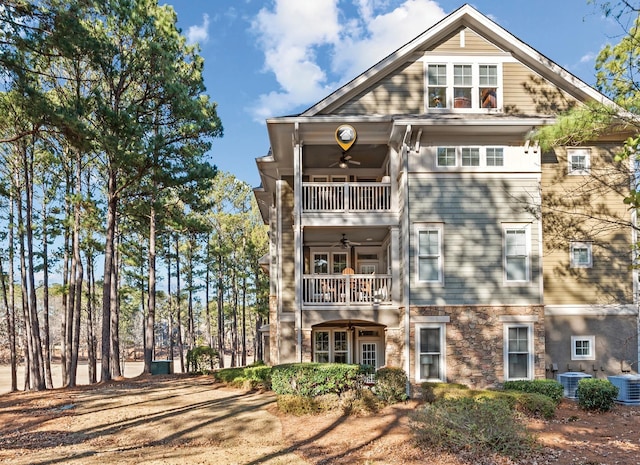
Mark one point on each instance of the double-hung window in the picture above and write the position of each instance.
(516, 253)
(488, 76)
(495, 156)
(462, 86)
(430, 362)
(518, 351)
(330, 346)
(429, 256)
(437, 86)
(581, 255)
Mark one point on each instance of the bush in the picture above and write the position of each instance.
(596, 394)
(477, 426)
(391, 385)
(548, 387)
(253, 376)
(201, 359)
(314, 379)
(534, 404)
(435, 391)
(297, 405)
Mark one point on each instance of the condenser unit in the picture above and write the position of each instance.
(570, 381)
(628, 388)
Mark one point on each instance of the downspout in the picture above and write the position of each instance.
(405, 253)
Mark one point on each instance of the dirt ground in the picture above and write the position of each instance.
(179, 419)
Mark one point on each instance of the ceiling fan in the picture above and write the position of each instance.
(345, 243)
(344, 161)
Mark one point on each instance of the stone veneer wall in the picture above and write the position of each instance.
(475, 342)
(394, 343)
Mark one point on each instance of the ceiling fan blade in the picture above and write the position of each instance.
(333, 164)
(354, 162)
(346, 157)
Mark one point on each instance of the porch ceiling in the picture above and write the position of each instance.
(330, 235)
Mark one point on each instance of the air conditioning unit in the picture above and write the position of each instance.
(569, 381)
(628, 388)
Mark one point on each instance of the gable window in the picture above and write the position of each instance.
(463, 84)
(581, 255)
(579, 161)
(446, 156)
(429, 239)
(437, 86)
(495, 156)
(583, 347)
(470, 156)
(516, 253)
(518, 351)
(488, 75)
(430, 356)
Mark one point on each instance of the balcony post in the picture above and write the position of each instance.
(297, 234)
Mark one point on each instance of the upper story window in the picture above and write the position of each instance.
(495, 156)
(429, 256)
(470, 156)
(517, 250)
(579, 161)
(581, 255)
(463, 85)
(446, 156)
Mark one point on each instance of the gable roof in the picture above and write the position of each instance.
(464, 17)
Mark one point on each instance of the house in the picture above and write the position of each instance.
(408, 224)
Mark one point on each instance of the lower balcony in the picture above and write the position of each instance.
(349, 289)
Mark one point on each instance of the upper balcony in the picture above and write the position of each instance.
(346, 197)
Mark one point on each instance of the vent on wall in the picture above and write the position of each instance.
(628, 388)
(569, 381)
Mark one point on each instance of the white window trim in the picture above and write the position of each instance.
(330, 253)
(531, 355)
(579, 151)
(581, 244)
(332, 341)
(527, 229)
(418, 228)
(482, 152)
(443, 355)
(456, 156)
(475, 63)
(592, 346)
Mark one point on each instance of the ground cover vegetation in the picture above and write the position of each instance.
(105, 128)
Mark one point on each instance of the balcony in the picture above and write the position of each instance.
(354, 289)
(346, 197)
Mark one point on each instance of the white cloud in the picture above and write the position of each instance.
(199, 34)
(313, 47)
(588, 58)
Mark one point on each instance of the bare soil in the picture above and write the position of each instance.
(179, 419)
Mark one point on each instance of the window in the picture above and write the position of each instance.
(583, 348)
(446, 156)
(321, 263)
(339, 262)
(495, 156)
(516, 253)
(331, 346)
(518, 351)
(581, 255)
(437, 83)
(429, 254)
(470, 156)
(321, 346)
(488, 86)
(463, 85)
(430, 355)
(579, 161)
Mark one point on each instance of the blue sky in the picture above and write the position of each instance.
(268, 58)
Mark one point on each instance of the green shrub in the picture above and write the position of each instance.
(314, 379)
(477, 426)
(548, 387)
(201, 359)
(250, 377)
(297, 405)
(391, 385)
(534, 405)
(596, 394)
(435, 391)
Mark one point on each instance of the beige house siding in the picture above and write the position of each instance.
(527, 93)
(399, 93)
(473, 43)
(586, 208)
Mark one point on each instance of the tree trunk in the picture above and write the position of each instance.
(12, 294)
(108, 286)
(234, 320)
(149, 342)
(11, 329)
(77, 274)
(244, 321)
(170, 301)
(116, 370)
(45, 295)
(67, 319)
(179, 305)
(207, 283)
(220, 302)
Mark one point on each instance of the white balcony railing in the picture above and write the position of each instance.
(346, 197)
(351, 289)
